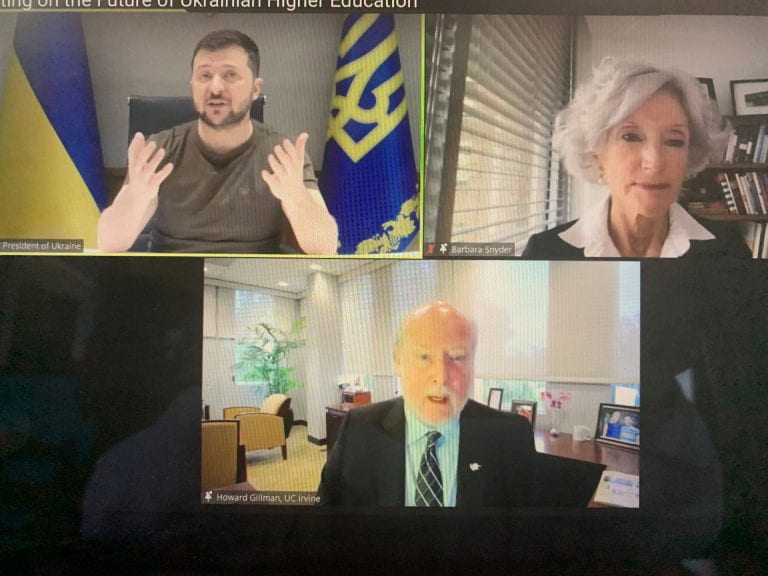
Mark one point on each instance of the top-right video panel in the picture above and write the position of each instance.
(570, 137)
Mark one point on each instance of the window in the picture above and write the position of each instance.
(251, 310)
(496, 83)
(516, 390)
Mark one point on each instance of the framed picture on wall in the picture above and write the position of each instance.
(750, 97)
(618, 425)
(708, 88)
(525, 409)
(494, 398)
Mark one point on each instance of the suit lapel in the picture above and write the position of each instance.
(392, 478)
(473, 468)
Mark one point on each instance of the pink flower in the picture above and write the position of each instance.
(548, 399)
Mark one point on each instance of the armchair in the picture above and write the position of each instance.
(220, 439)
(231, 412)
(260, 431)
(280, 404)
(277, 404)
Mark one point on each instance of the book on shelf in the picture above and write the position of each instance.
(761, 144)
(748, 192)
(744, 193)
(758, 184)
(748, 143)
(730, 199)
(758, 241)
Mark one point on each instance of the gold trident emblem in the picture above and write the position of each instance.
(361, 71)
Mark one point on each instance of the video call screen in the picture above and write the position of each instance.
(276, 278)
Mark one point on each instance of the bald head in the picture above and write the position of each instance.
(436, 315)
(434, 357)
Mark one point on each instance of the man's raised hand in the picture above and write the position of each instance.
(143, 159)
(315, 229)
(121, 223)
(287, 164)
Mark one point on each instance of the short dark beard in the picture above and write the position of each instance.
(232, 119)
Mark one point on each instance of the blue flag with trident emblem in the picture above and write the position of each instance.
(369, 173)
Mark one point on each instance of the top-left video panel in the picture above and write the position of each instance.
(210, 133)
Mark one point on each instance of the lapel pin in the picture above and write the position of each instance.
(475, 466)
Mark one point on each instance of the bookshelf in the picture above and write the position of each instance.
(736, 189)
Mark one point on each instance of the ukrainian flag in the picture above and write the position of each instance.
(51, 169)
(369, 173)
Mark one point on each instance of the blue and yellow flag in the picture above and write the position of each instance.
(51, 168)
(369, 173)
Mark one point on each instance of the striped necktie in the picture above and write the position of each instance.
(429, 482)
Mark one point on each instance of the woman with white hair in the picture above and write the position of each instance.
(640, 131)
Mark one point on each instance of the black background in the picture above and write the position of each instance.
(130, 388)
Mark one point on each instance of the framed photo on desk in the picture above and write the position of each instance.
(525, 409)
(618, 425)
(494, 398)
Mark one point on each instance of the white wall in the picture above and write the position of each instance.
(149, 54)
(723, 48)
(323, 355)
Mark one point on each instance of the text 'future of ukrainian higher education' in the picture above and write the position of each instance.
(287, 5)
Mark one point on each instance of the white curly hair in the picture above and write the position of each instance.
(617, 89)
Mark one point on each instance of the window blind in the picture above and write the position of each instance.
(506, 182)
(440, 50)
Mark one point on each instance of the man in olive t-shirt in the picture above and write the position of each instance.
(211, 194)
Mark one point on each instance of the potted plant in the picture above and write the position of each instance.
(262, 357)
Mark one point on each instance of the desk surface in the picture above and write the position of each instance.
(616, 459)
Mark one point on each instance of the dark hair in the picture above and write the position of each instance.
(221, 39)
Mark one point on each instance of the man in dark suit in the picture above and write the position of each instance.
(433, 446)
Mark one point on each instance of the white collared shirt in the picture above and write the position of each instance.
(590, 232)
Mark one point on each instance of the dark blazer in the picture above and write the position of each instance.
(728, 243)
(367, 464)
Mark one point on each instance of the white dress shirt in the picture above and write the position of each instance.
(590, 232)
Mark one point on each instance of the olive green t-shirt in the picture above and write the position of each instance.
(218, 203)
